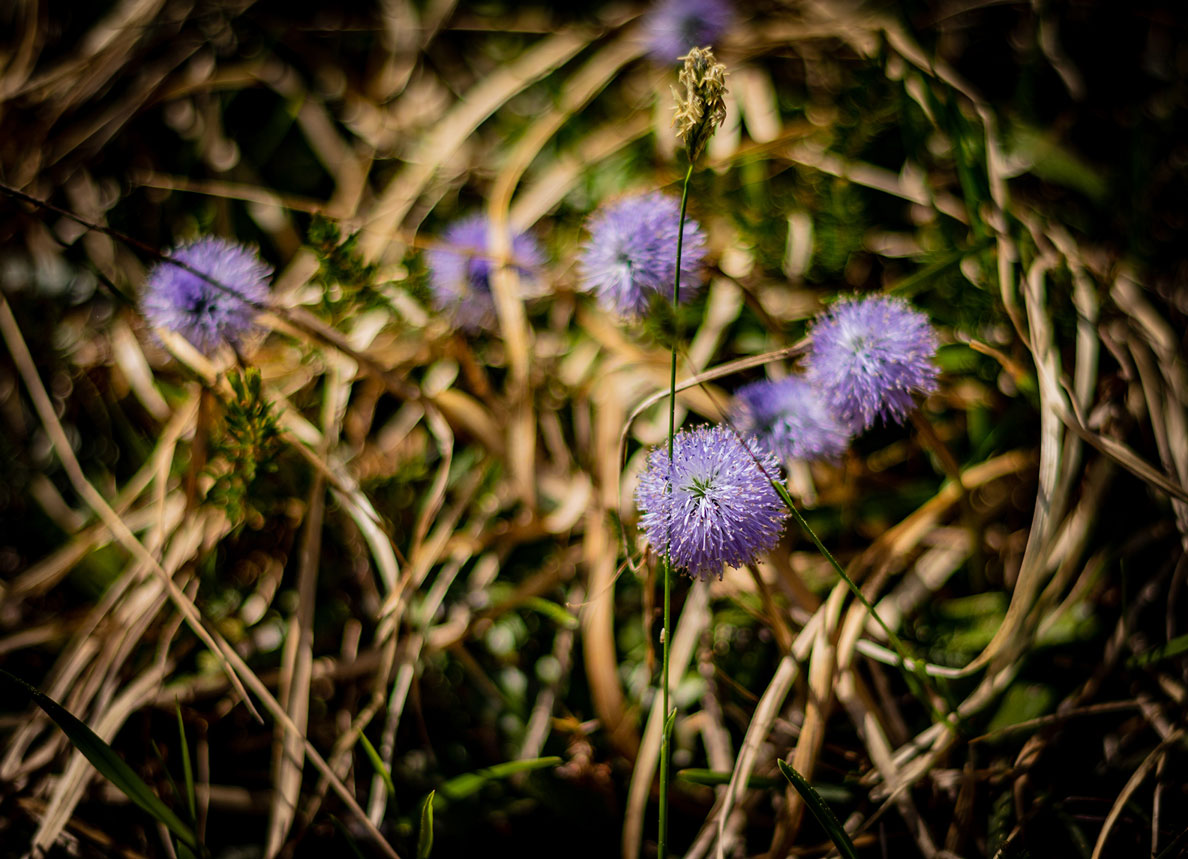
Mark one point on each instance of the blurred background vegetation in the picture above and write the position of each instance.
(428, 566)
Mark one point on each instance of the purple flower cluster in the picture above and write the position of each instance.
(672, 27)
(790, 418)
(460, 271)
(212, 310)
(630, 256)
(867, 359)
(869, 356)
(714, 505)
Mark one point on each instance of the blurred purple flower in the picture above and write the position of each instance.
(460, 271)
(630, 256)
(790, 418)
(205, 313)
(672, 27)
(720, 507)
(869, 355)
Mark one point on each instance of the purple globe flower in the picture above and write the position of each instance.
(205, 313)
(672, 27)
(869, 355)
(460, 271)
(719, 507)
(630, 256)
(790, 418)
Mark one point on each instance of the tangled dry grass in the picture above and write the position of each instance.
(441, 575)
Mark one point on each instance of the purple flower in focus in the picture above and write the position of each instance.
(631, 254)
(675, 26)
(460, 271)
(790, 418)
(869, 355)
(720, 507)
(205, 313)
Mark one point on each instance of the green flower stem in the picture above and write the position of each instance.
(913, 669)
(666, 564)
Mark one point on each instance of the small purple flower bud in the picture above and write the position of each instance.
(715, 505)
(868, 356)
(630, 256)
(460, 272)
(205, 313)
(790, 419)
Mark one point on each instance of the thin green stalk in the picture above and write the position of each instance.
(913, 669)
(666, 564)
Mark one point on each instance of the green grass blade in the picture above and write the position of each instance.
(104, 758)
(425, 834)
(820, 811)
(468, 784)
(187, 769)
(554, 612)
(377, 763)
(714, 778)
(912, 669)
(1174, 647)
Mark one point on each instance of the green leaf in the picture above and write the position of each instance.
(552, 611)
(820, 811)
(468, 784)
(1041, 153)
(1022, 703)
(713, 778)
(377, 763)
(187, 770)
(913, 283)
(425, 835)
(104, 758)
(1174, 647)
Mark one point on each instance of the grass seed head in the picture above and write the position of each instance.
(700, 105)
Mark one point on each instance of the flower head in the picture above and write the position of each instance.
(701, 107)
(630, 256)
(460, 271)
(715, 505)
(210, 310)
(675, 26)
(869, 355)
(790, 418)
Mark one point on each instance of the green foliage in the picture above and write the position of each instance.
(105, 759)
(425, 830)
(377, 763)
(341, 268)
(662, 326)
(247, 446)
(469, 784)
(1021, 703)
(713, 778)
(821, 811)
(838, 228)
(553, 611)
(187, 769)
